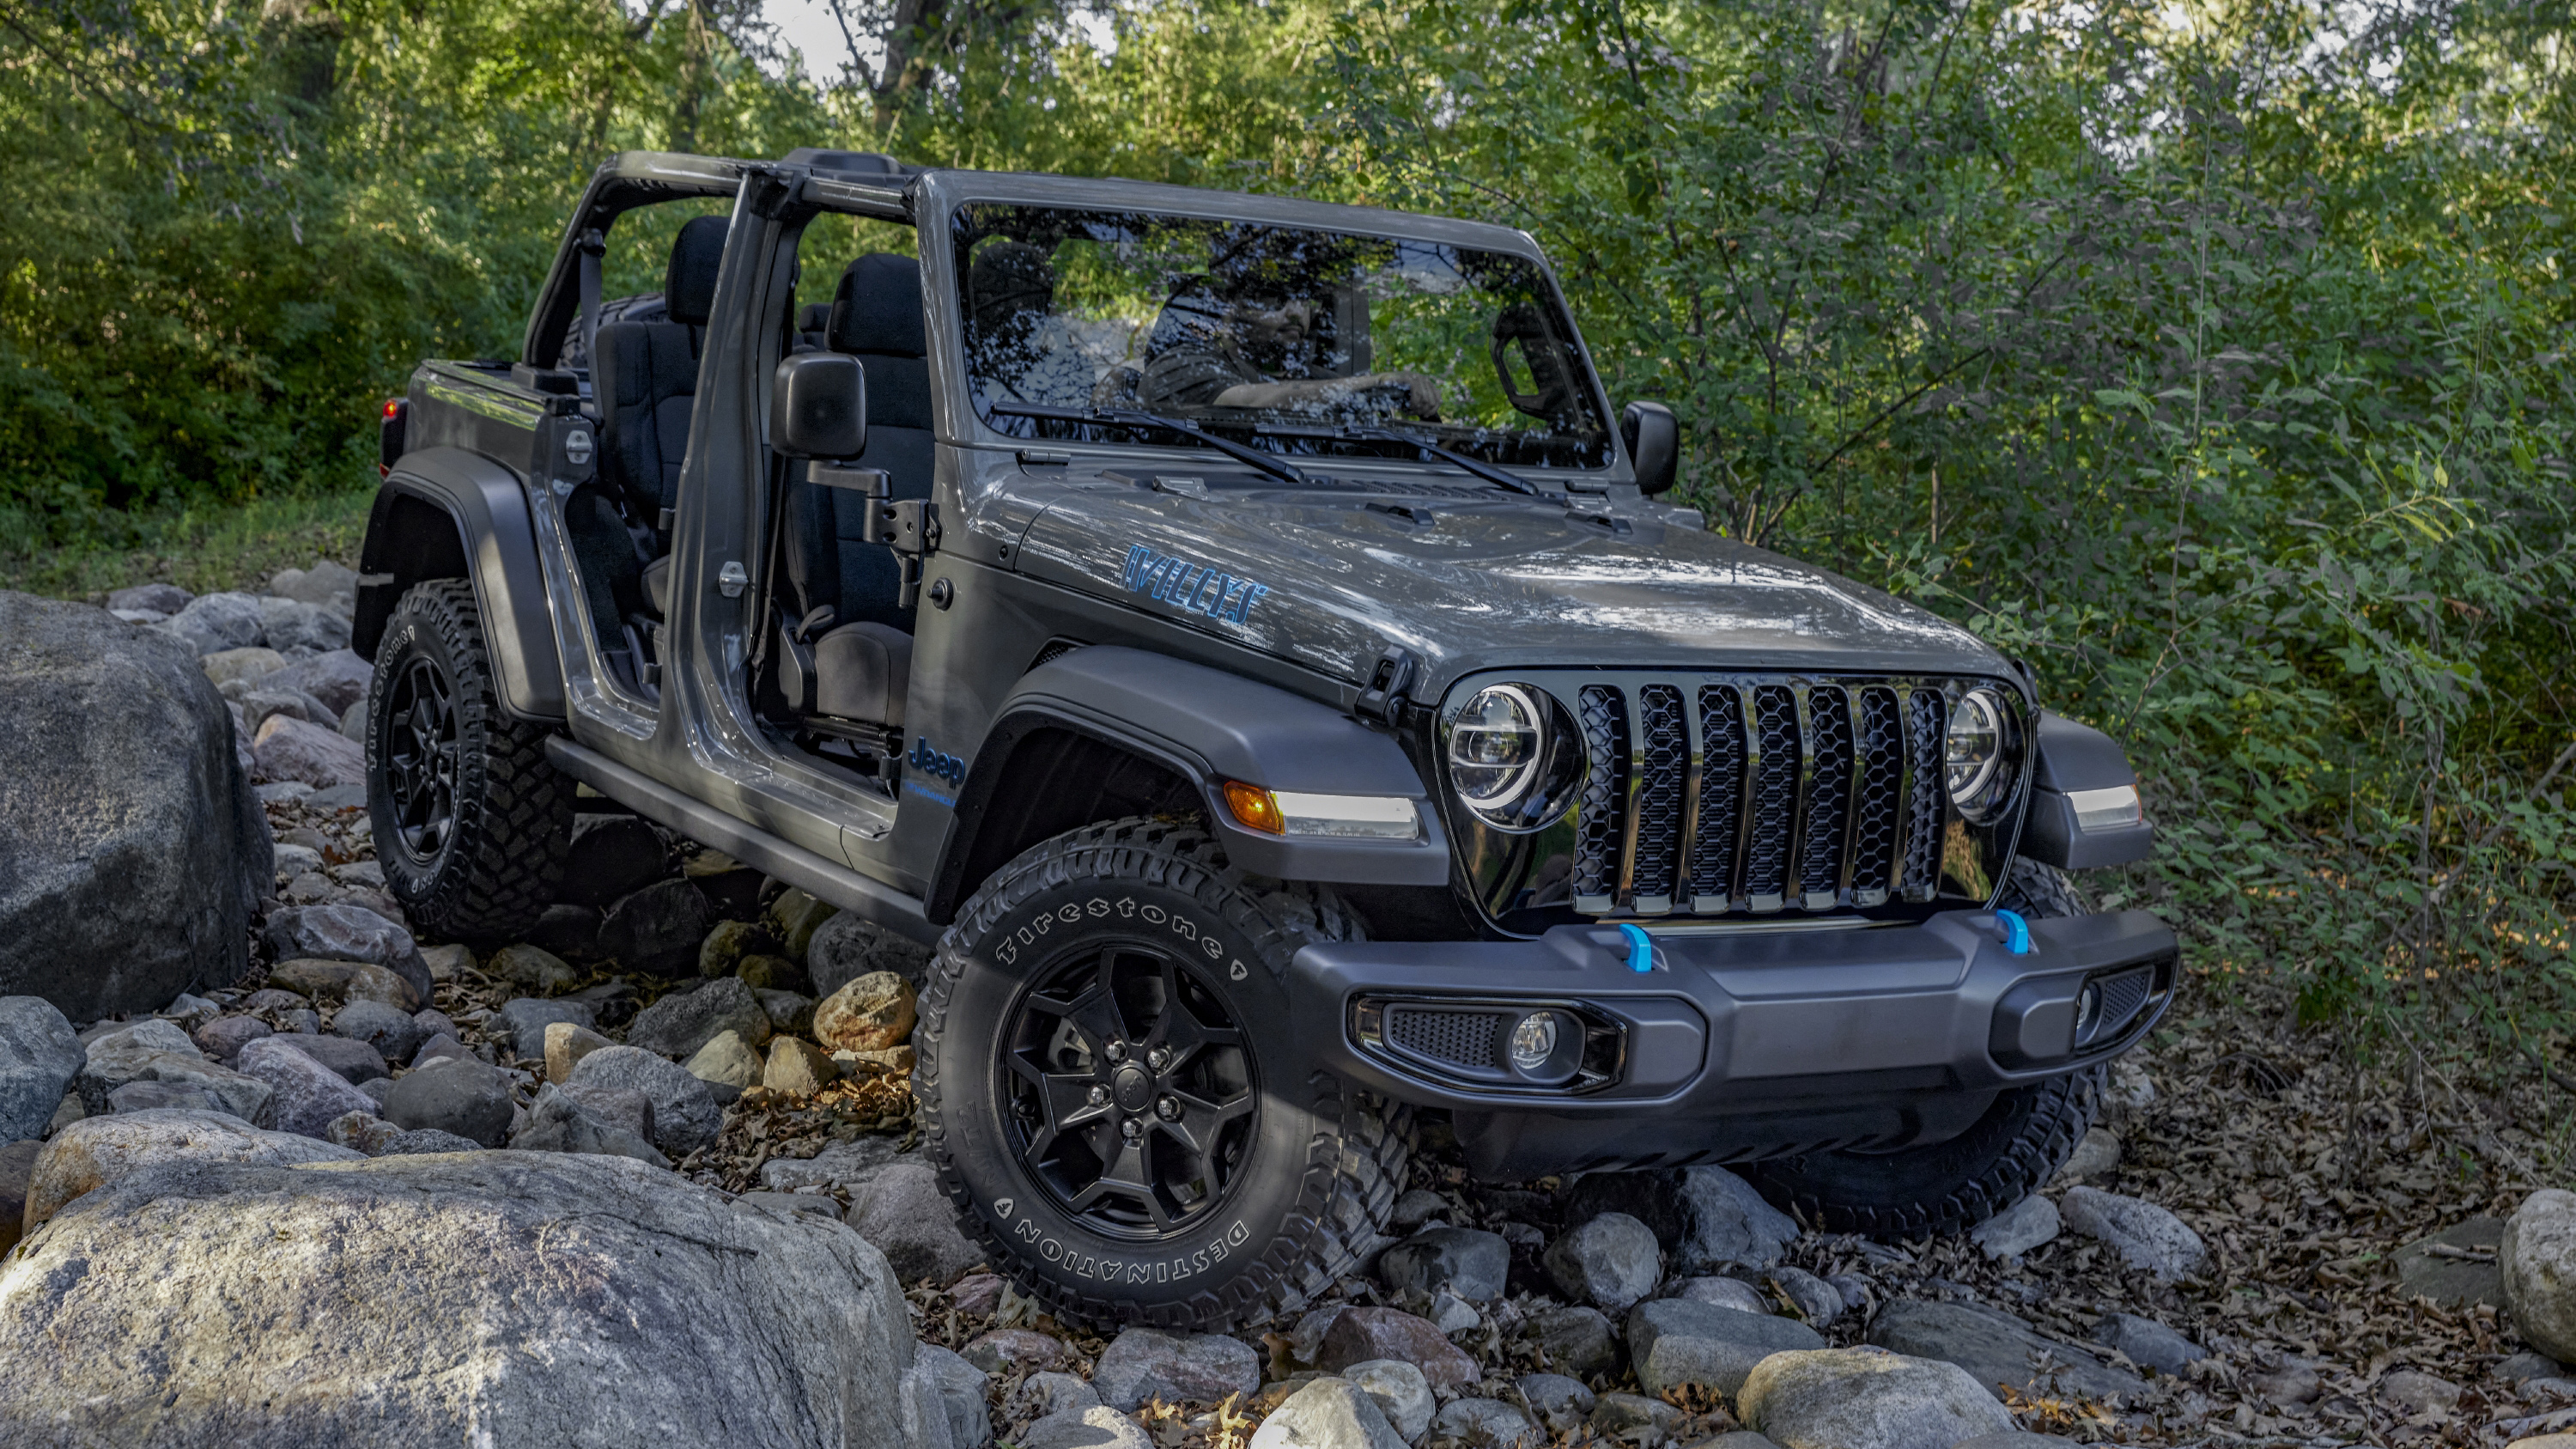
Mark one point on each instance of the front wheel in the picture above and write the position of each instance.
(2010, 1152)
(1105, 1081)
(471, 822)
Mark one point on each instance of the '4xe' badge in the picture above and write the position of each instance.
(1195, 587)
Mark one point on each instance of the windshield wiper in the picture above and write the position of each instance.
(1486, 471)
(1131, 418)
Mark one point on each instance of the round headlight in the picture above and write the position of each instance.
(1495, 748)
(1976, 763)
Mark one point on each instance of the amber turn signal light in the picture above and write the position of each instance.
(1254, 808)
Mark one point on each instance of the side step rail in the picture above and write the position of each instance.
(825, 880)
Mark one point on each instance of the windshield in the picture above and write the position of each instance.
(1287, 338)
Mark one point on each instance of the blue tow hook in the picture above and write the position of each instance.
(1641, 948)
(2016, 932)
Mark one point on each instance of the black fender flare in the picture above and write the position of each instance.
(446, 513)
(2068, 757)
(1205, 726)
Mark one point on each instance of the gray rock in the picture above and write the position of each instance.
(156, 1051)
(2016, 1230)
(1147, 1363)
(534, 968)
(1453, 1314)
(1054, 1393)
(135, 850)
(1464, 1261)
(152, 1096)
(2537, 1256)
(1096, 1427)
(463, 1097)
(557, 1122)
(390, 1030)
(287, 748)
(961, 1394)
(2147, 1343)
(789, 1013)
(611, 856)
(1400, 1392)
(1816, 1301)
(2144, 1235)
(690, 1321)
(361, 1132)
(1344, 1335)
(39, 1056)
(678, 1025)
(212, 623)
(336, 677)
(1561, 1405)
(292, 626)
(1998, 1349)
(622, 1107)
(163, 599)
(330, 584)
(1007, 1351)
(1674, 1341)
(1740, 1439)
(306, 1095)
(1482, 1424)
(901, 1208)
(1610, 1261)
(2526, 1366)
(353, 724)
(2016, 1439)
(95, 1151)
(441, 1047)
(344, 932)
(569, 931)
(1416, 1207)
(1857, 1399)
(1726, 1221)
(527, 1017)
(188, 1012)
(2285, 1380)
(257, 705)
(844, 947)
(355, 1061)
(420, 1141)
(377, 1089)
(1575, 1341)
(838, 1165)
(1732, 1293)
(685, 1117)
(2425, 1398)
(2424, 1270)
(1331, 1413)
(1634, 1419)
(656, 931)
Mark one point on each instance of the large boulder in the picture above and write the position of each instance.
(1705, 1217)
(685, 1115)
(846, 947)
(132, 849)
(305, 1096)
(679, 1024)
(1148, 1363)
(39, 1055)
(501, 1299)
(1676, 1341)
(657, 930)
(212, 623)
(2538, 1256)
(901, 1208)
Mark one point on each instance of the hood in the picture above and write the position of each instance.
(1473, 578)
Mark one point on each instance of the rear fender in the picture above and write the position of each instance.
(445, 513)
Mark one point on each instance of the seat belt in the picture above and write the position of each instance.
(593, 246)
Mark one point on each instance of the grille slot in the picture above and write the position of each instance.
(1598, 827)
(1459, 1038)
(1665, 768)
(1758, 794)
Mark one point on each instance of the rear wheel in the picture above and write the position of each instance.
(1945, 1187)
(471, 822)
(1104, 1080)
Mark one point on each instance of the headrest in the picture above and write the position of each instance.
(689, 288)
(877, 310)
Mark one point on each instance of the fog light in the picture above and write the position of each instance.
(2088, 1009)
(1534, 1041)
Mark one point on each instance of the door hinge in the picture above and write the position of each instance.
(911, 529)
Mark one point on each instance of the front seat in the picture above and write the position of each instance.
(645, 381)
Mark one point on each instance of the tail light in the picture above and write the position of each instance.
(389, 435)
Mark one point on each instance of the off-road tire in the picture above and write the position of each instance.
(500, 863)
(1947, 1187)
(1323, 1162)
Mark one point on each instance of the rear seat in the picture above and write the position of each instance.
(645, 381)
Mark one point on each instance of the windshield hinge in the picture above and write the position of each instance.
(1382, 700)
(911, 530)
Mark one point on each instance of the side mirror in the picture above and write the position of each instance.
(818, 406)
(1654, 444)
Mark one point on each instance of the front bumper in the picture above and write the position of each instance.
(1736, 1044)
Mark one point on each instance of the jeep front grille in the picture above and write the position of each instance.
(1758, 794)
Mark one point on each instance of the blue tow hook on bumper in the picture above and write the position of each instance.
(1697, 1019)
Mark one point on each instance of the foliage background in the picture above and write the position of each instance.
(2210, 354)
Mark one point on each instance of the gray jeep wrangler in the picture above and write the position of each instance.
(1241, 634)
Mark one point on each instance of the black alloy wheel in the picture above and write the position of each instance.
(420, 758)
(1131, 1088)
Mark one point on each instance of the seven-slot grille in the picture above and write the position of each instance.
(1752, 794)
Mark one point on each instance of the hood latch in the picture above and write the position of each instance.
(1382, 701)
